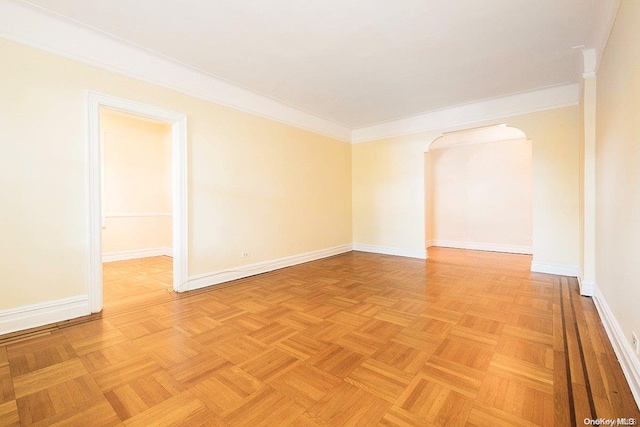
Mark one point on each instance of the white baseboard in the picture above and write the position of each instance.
(217, 277)
(32, 316)
(625, 354)
(586, 288)
(491, 247)
(142, 253)
(387, 250)
(557, 269)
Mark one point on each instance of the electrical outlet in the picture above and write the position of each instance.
(245, 255)
(528, 239)
(634, 340)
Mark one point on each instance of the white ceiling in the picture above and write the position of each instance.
(357, 62)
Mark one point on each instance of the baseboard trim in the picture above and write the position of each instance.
(586, 288)
(490, 247)
(557, 269)
(32, 316)
(217, 277)
(625, 354)
(142, 253)
(388, 250)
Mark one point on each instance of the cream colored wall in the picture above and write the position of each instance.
(389, 175)
(388, 193)
(255, 185)
(555, 175)
(587, 183)
(137, 180)
(618, 170)
(429, 216)
(482, 194)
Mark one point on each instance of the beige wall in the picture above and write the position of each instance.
(389, 195)
(137, 180)
(618, 170)
(482, 195)
(255, 185)
(587, 182)
(555, 149)
(429, 214)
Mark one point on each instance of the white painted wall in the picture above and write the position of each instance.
(388, 195)
(254, 184)
(617, 225)
(389, 188)
(481, 196)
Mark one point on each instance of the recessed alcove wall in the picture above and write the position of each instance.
(479, 190)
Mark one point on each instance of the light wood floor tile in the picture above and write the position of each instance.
(142, 393)
(9, 415)
(121, 373)
(6, 384)
(328, 331)
(57, 399)
(348, 405)
(31, 355)
(305, 384)
(89, 337)
(272, 333)
(226, 389)
(299, 321)
(47, 377)
(337, 361)
(197, 368)
(465, 338)
(362, 343)
(302, 346)
(180, 410)
(96, 412)
(398, 417)
(380, 380)
(240, 349)
(402, 357)
(265, 408)
(105, 358)
(269, 365)
(309, 420)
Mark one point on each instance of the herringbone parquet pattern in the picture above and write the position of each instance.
(464, 339)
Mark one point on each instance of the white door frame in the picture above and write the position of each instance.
(178, 123)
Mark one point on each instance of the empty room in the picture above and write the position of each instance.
(321, 213)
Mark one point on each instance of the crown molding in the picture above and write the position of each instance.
(475, 112)
(24, 24)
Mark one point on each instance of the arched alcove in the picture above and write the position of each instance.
(478, 190)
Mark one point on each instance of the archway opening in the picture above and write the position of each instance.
(478, 190)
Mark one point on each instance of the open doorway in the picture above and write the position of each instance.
(124, 215)
(136, 209)
(478, 190)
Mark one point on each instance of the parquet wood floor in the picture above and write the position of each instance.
(464, 339)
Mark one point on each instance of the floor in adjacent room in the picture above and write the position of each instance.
(464, 338)
(137, 282)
